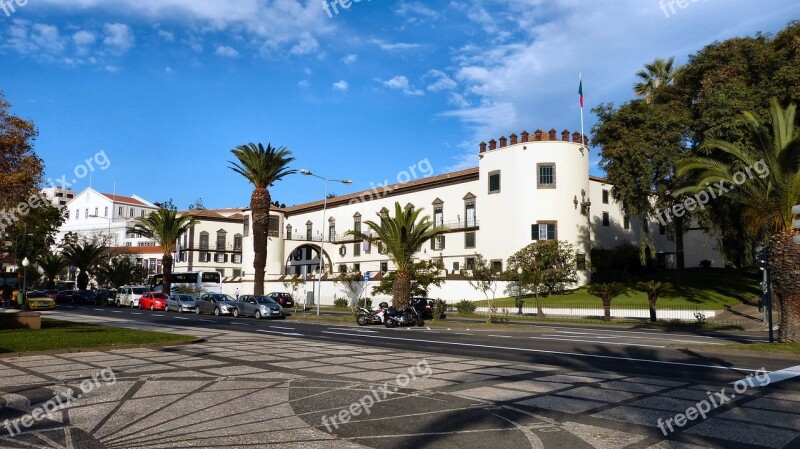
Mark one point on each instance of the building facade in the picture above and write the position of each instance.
(214, 243)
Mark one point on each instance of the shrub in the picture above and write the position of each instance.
(465, 307)
(705, 263)
(365, 302)
(439, 307)
(341, 302)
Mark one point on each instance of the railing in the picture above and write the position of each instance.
(229, 248)
(457, 225)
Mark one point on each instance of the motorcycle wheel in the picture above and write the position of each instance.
(391, 323)
(420, 323)
(362, 319)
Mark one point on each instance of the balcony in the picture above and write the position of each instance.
(462, 225)
(228, 248)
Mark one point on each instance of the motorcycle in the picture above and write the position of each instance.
(366, 316)
(408, 317)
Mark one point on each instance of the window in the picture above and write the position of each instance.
(470, 211)
(438, 216)
(384, 267)
(120, 212)
(456, 267)
(220, 258)
(343, 269)
(381, 249)
(133, 212)
(70, 196)
(237, 258)
(309, 231)
(237, 242)
(237, 272)
(204, 240)
(437, 243)
(469, 240)
(246, 226)
(547, 176)
(77, 214)
(141, 213)
(221, 237)
(357, 267)
(605, 196)
(309, 254)
(96, 211)
(580, 261)
(497, 266)
(357, 223)
(544, 231)
(494, 182)
(626, 222)
(606, 219)
(356, 249)
(470, 263)
(332, 232)
(105, 213)
(68, 214)
(274, 226)
(203, 257)
(86, 214)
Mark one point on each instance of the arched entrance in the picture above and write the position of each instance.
(303, 259)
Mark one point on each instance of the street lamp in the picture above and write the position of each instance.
(25, 263)
(519, 290)
(322, 241)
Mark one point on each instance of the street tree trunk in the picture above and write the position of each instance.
(606, 309)
(83, 280)
(784, 260)
(401, 290)
(651, 299)
(260, 205)
(680, 262)
(166, 266)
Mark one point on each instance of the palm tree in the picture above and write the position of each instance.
(52, 265)
(654, 289)
(660, 72)
(85, 257)
(262, 167)
(606, 292)
(766, 196)
(402, 236)
(165, 227)
(118, 271)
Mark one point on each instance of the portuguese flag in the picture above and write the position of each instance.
(580, 92)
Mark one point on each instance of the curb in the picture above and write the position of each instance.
(11, 355)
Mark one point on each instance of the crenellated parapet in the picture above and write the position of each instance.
(537, 136)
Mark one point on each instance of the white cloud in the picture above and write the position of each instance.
(401, 83)
(306, 44)
(441, 81)
(119, 37)
(166, 35)
(226, 52)
(394, 46)
(416, 9)
(83, 40)
(303, 84)
(169, 70)
(350, 59)
(341, 85)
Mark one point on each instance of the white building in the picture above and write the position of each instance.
(526, 188)
(214, 243)
(58, 196)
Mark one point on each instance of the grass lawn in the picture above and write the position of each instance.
(704, 288)
(56, 334)
(785, 348)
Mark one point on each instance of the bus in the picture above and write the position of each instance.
(199, 281)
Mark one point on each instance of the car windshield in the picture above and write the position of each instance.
(160, 296)
(264, 300)
(221, 297)
(185, 298)
(138, 291)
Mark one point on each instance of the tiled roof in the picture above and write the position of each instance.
(124, 199)
(137, 250)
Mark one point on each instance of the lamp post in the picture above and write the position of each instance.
(322, 241)
(519, 290)
(25, 263)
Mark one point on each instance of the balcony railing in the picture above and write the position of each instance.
(229, 247)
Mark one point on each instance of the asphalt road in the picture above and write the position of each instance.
(630, 352)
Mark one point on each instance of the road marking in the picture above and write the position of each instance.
(181, 318)
(545, 351)
(631, 332)
(591, 335)
(354, 330)
(600, 342)
(292, 334)
(780, 375)
(280, 327)
(116, 311)
(499, 336)
(461, 333)
(208, 321)
(99, 310)
(136, 313)
(158, 315)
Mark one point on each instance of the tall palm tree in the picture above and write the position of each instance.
(118, 271)
(654, 289)
(85, 257)
(606, 292)
(263, 167)
(165, 227)
(52, 265)
(660, 72)
(402, 236)
(771, 166)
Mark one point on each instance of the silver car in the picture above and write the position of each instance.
(178, 302)
(258, 307)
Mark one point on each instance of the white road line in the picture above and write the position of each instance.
(500, 336)
(280, 327)
(587, 336)
(135, 313)
(461, 333)
(181, 318)
(780, 375)
(629, 332)
(291, 334)
(544, 351)
(99, 310)
(116, 311)
(208, 321)
(369, 331)
(158, 315)
(599, 342)
(591, 335)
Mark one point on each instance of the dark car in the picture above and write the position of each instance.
(425, 307)
(65, 296)
(106, 297)
(85, 297)
(215, 303)
(284, 299)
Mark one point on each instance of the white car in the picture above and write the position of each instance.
(128, 295)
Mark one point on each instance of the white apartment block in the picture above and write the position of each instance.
(526, 188)
(214, 243)
(58, 196)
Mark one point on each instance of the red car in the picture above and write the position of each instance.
(153, 301)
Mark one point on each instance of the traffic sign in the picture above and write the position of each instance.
(366, 276)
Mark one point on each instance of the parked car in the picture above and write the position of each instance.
(284, 299)
(85, 297)
(216, 303)
(153, 301)
(425, 307)
(128, 295)
(106, 297)
(65, 296)
(178, 302)
(52, 294)
(257, 306)
(40, 301)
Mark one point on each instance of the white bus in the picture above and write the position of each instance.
(206, 281)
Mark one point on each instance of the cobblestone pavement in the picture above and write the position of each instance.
(244, 390)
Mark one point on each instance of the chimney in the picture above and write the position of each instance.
(553, 133)
(525, 136)
(513, 139)
(576, 137)
(537, 135)
(492, 145)
(565, 135)
(482, 147)
(503, 141)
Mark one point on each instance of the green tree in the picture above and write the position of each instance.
(484, 278)
(606, 292)
(293, 284)
(52, 265)
(402, 235)
(353, 283)
(197, 205)
(263, 167)
(118, 271)
(660, 72)
(654, 289)
(85, 257)
(767, 194)
(424, 274)
(20, 168)
(165, 227)
(33, 234)
(548, 266)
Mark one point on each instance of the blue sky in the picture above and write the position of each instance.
(167, 87)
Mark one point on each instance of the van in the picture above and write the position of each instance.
(128, 295)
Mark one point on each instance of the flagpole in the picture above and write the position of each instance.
(583, 138)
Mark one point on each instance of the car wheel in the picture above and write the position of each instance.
(216, 311)
(197, 311)
(257, 315)
(236, 313)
